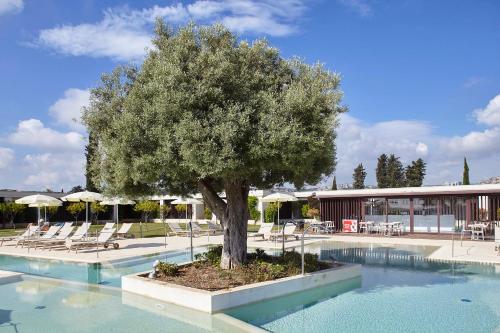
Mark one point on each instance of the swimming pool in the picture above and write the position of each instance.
(399, 291)
(100, 273)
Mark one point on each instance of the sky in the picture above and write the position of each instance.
(421, 78)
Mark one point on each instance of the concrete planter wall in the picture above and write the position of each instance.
(217, 301)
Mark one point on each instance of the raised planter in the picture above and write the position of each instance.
(216, 301)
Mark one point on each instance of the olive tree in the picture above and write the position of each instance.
(209, 113)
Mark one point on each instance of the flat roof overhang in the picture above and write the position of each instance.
(486, 189)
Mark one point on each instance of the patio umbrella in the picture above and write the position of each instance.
(39, 200)
(188, 201)
(279, 197)
(84, 196)
(115, 202)
(45, 205)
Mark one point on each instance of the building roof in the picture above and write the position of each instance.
(412, 191)
(13, 194)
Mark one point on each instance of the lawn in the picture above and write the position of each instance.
(148, 229)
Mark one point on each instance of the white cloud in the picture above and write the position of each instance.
(68, 109)
(53, 170)
(359, 6)
(6, 157)
(360, 142)
(11, 6)
(124, 34)
(33, 133)
(490, 115)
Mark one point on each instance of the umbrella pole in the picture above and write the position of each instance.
(86, 211)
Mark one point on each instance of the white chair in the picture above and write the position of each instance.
(265, 231)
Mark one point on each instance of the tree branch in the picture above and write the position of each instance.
(212, 199)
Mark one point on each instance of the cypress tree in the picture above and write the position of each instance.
(395, 172)
(334, 183)
(415, 173)
(465, 179)
(359, 176)
(90, 150)
(381, 172)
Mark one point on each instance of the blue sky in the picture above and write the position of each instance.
(421, 78)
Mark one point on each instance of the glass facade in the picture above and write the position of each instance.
(375, 210)
(399, 211)
(425, 211)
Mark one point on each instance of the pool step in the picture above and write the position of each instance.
(8, 277)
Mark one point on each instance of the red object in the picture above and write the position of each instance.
(349, 225)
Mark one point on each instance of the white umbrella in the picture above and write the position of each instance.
(45, 205)
(279, 197)
(85, 196)
(188, 201)
(115, 202)
(38, 200)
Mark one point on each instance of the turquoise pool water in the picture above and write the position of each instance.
(104, 273)
(399, 291)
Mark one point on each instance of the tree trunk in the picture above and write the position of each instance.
(234, 217)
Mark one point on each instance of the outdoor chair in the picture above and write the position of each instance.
(265, 231)
(123, 232)
(28, 232)
(178, 231)
(287, 233)
(64, 233)
(49, 234)
(103, 239)
(214, 228)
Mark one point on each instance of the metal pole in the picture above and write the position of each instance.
(86, 211)
(453, 244)
(191, 238)
(302, 250)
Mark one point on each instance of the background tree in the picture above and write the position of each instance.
(9, 211)
(75, 209)
(395, 172)
(271, 212)
(207, 213)
(208, 113)
(358, 177)
(181, 209)
(381, 172)
(90, 150)
(96, 209)
(252, 208)
(334, 183)
(465, 178)
(415, 173)
(77, 188)
(51, 211)
(146, 208)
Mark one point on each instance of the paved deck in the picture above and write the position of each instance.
(466, 251)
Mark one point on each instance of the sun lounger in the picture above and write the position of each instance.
(80, 234)
(197, 228)
(287, 233)
(109, 226)
(60, 238)
(265, 231)
(49, 234)
(30, 231)
(178, 231)
(123, 232)
(214, 228)
(102, 240)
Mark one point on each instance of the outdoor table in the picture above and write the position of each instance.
(368, 225)
(388, 227)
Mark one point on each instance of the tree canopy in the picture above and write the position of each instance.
(207, 112)
(415, 173)
(465, 178)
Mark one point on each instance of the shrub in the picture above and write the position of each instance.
(498, 214)
(252, 208)
(304, 210)
(263, 271)
(167, 269)
(212, 256)
(208, 213)
(271, 212)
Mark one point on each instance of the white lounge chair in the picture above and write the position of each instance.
(102, 240)
(109, 226)
(60, 238)
(178, 231)
(28, 232)
(287, 233)
(265, 231)
(124, 230)
(214, 228)
(49, 234)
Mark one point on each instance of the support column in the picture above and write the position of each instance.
(412, 216)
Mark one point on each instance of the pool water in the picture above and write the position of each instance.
(49, 305)
(102, 273)
(399, 291)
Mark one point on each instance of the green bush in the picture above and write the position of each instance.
(498, 214)
(212, 256)
(264, 271)
(304, 210)
(252, 208)
(167, 269)
(271, 212)
(208, 213)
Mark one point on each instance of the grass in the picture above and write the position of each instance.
(148, 229)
